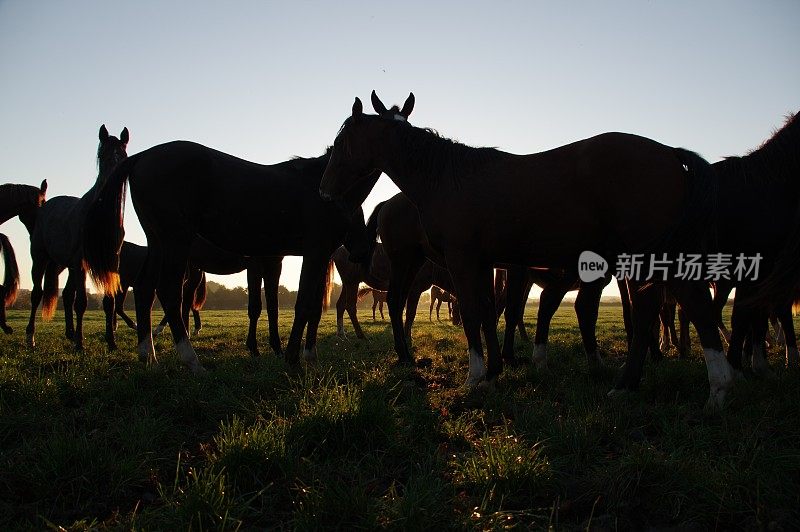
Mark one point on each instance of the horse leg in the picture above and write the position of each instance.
(68, 298)
(549, 300)
(81, 302)
(170, 292)
(144, 292)
(381, 310)
(625, 299)
(515, 286)
(374, 305)
(645, 304)
(108, 308)
(695, 298)
(780, 337)
(475, 289)
(587, 306)
(758, 360)
(314, 317)
(667, 318)
(351, 305)
(742, 319)
(254, 277)
(784, 315)
(272, 275)
(311, 274)
(402, 275)
(37, 274)
(412, 303)
(684, 340)
(523, 332)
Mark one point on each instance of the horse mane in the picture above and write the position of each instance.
(438, 157)
(777, 159)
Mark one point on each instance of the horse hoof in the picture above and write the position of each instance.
(617, 392)
(487, 385)
(30, 340)
(198, 369)
(254, 353)
(197, 331)
(310, 355)
(7, 329)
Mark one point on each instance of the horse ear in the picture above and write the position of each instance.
(43, 186)
(358, 108)
(408, 106)
(124, 136)
(103, 133)
(377, 104)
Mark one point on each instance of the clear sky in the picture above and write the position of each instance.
(267, 80)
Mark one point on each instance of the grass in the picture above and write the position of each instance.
(96, 440)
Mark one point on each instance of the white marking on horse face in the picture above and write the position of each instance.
(476, 369)
(720, 378)
(399, 118)
(146, 351)
(539, 357)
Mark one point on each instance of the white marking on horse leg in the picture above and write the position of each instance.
(759, 362)
(476, 369)
(188, 356)
(539, 357)
(147, 353)
(720, 378)
(310, 355)
(29, 338)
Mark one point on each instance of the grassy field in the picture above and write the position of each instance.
(97, 440)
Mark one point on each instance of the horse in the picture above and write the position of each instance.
(439, 296)
(57, 243)
(181, 190)
(378, 299)
(375, 273)
(488, 219)
(22, 201)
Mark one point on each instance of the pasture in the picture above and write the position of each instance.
(97, 440)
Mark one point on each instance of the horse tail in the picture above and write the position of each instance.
(372, 227)
(103, 231)
(11, 278)
(200, 294)
(695, 229)
(363, 292)
(50, 291)
(326, 298)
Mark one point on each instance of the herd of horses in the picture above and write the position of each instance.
(462, 213)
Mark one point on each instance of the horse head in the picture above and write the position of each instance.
(112, 151)
(352, 157)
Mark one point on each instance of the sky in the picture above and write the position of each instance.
(266, 81)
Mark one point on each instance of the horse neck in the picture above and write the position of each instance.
(394, 160)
